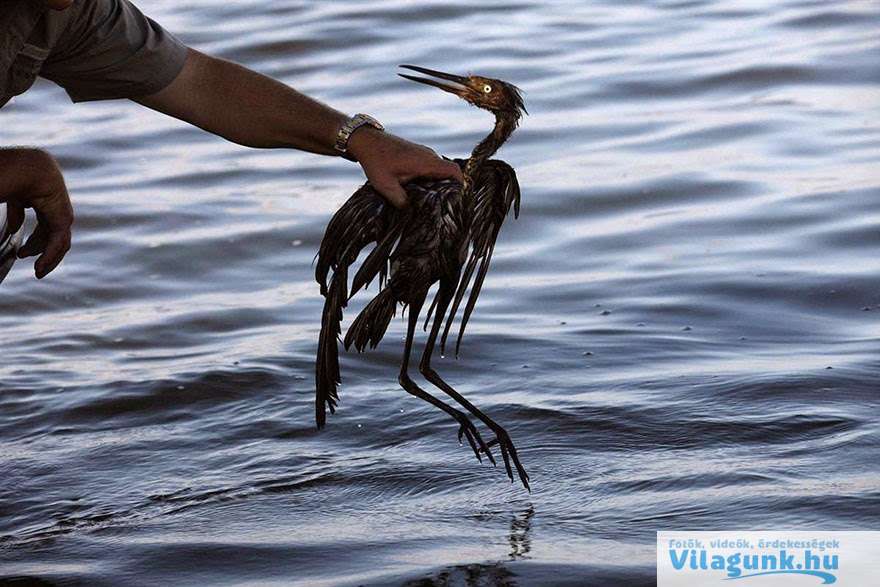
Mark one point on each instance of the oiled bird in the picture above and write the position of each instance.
(445, 236)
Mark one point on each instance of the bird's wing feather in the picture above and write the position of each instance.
(495, 190)
(363, 219)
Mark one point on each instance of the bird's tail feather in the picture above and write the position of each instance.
(372, 322)
(327, 368)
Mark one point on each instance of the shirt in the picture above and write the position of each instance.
(95, 50)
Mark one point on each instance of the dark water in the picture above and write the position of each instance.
(680, 332)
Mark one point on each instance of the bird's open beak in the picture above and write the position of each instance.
(460, 83)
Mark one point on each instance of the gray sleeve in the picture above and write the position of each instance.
(111, 50)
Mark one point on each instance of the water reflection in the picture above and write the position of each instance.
(520, 534)
(474, 575)
(487, 574)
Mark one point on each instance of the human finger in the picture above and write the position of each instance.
(57, 246)
(36, 242)
(54, 219)
(441, 169)
(393, 192)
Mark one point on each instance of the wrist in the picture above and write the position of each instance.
(352, 127)
(29, 170)
(43, 172)
(364, 140)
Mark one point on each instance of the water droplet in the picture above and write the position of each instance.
(604, 312)
(588, 354)
(686, 328)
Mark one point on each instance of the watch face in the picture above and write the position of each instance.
(367, 119)
(373, 122)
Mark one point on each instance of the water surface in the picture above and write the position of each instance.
(680, 332)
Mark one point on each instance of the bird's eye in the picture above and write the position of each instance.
(487, 88)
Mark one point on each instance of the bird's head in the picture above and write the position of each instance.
(494, 95)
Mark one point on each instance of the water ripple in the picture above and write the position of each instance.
(680, 330)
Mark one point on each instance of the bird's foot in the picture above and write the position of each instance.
(469, 431)
(508, 453)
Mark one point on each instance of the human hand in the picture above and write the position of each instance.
(389, 162)
(30, 178)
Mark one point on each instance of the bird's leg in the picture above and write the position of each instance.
(441, 303)
(467, 428)
(502, 438)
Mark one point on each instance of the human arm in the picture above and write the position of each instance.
(30, 178)
(255, 110)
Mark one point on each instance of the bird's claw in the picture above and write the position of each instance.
(469, 431)
(485, 449)
(508, 453)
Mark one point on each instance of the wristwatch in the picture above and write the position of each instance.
(351, 125)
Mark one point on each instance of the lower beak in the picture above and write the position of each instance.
(459, 81)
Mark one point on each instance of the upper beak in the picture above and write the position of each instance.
(459, 81)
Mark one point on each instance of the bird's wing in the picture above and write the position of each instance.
(363, 219)
(496, 190)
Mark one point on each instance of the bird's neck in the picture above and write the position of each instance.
(504, 127)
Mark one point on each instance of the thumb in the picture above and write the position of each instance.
(393, 192)
(443, 169)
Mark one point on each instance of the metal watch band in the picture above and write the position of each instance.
(351, 125)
